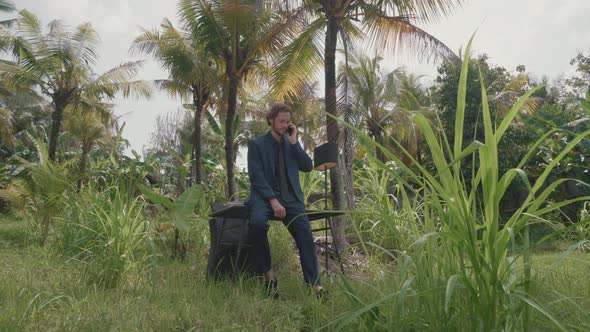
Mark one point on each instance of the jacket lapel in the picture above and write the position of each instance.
(269, 147)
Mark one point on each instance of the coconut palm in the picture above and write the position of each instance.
(385, 25)
(192, 75)
(410, 99)
(387, 103)
(238, 35)
(58, 64)
(89, 127)
(373, 94)
(22, 112)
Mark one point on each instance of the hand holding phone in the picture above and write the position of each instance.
(292, 134)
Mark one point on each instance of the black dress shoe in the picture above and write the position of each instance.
(322, 294)
(272, 288)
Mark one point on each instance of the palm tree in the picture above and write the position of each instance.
(388, 103)
(89, 127)
(384, 24)
(410, 98)
(58, 64)
(191, 74)
(372, 93)
(22, 113)
(238, 35)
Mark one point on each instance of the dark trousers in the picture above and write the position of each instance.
(298, 225)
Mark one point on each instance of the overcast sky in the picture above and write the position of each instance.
(543, 35)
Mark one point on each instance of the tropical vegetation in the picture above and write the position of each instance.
(468, 199)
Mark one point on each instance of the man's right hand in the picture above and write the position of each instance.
(277, 208)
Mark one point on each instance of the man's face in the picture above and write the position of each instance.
(281, 123)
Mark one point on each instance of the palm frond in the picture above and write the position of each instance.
(180, 56)
(300, 62)
(57, 30)
(148, 42)
(118, 80)
(28, 25)
(273, 39)
(6, 126)
(236, 16)
(387, 34)
(91, 124)
(350, 29)
(6, 6)
(174, 88)
(8, 23)
(136, 89)
(425, 10)
(203, 22)
(23, 77)
(505, 99)
(84, 42)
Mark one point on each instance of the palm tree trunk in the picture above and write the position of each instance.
(348, 161)
(83, 160)
(56, 121)
(348, 141)
(305, 133)
(376, 133)
(332, 129)
(229, 136)
(197, 139)
(379, 139)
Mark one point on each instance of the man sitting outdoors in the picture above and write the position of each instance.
(274, 162)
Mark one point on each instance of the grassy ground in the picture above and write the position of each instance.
(42, 291)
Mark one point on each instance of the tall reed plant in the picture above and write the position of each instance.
(463, 271)
(379, 217)
(108, 233)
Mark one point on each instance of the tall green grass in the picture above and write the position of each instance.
(461, 271)
(107, 232)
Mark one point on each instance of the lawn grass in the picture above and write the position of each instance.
(42, 291)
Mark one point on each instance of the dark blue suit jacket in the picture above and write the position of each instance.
(262, 163)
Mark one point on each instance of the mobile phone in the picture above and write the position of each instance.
(290, 130)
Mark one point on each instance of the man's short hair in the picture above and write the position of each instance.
(275, 109)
